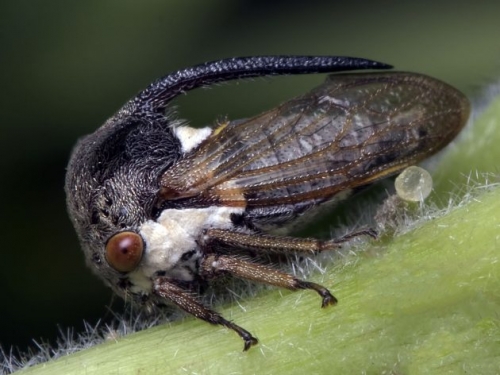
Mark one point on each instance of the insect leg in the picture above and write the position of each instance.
(362, 232)
(216, 264)
(164, 288)
(277, 244)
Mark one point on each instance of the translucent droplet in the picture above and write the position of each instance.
(413, 184)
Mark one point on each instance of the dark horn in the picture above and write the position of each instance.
(156, 96)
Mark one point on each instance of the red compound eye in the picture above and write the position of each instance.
(124, 251)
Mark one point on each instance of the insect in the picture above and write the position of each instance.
(162, 208)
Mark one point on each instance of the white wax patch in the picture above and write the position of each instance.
(175, 233)
(191, 137)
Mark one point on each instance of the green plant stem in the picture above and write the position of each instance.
(423, 302)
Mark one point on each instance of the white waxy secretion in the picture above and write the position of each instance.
(191, 137)
(172, 235)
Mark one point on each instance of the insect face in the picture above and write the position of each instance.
(160, 207)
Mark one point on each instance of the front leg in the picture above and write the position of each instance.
(164, 288)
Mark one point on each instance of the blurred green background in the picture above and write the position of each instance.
(67, 66)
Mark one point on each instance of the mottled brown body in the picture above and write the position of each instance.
(160, 207)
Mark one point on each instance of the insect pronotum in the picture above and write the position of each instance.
(162, 208)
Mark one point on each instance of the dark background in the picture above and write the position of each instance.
(67, 66)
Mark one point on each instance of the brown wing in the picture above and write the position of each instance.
(348, 132)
